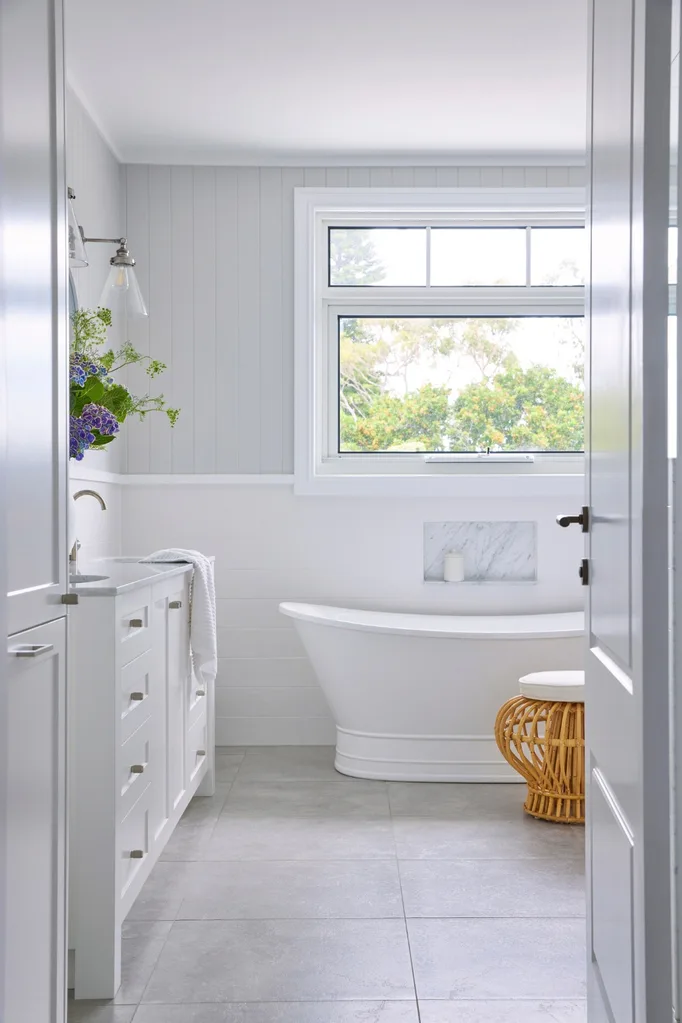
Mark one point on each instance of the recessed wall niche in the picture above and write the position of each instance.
(492, 551)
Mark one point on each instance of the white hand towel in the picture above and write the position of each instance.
(202, 611)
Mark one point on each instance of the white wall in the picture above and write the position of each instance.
(360, 552)
(97, 179)
(215, 252)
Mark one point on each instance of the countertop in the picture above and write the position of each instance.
(123, 575)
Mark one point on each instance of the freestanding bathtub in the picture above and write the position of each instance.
(415, 696)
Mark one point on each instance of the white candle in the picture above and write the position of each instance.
(453, 571)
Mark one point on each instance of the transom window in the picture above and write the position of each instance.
(442, 338)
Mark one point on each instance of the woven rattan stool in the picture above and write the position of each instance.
(541, 733)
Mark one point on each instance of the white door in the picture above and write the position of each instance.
(35, 880)
(34, 289)
(627, 706)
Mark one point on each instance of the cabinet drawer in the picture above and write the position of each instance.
(136, 693)
(196, 747)
(133, 624)
(134, 841)
(135, 766)
(198, 698)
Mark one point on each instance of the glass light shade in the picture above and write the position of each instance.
(122, 293)
(77, 254)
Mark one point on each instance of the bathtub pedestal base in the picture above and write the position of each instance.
(453, 758)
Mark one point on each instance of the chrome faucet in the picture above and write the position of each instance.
(73, 553)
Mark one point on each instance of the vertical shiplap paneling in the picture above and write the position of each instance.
(558, 177)
(137, 204)
(513, 177)
(292, 177)
(227, 319)
(337, 177)
(221, 292)
(447, 177)
(425, 177)
(536, 177)
(248, 320)
(491, 177)
(358, 177)
(182, 311)
(381, 177)
(271, 353)
(204, 304)
(469, 177)
(160, 312)
(403, 177)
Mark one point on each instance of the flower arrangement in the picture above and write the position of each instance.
(98, 403)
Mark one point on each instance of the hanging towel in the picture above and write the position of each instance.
(202, 611)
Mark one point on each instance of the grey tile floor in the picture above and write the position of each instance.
(296, 895)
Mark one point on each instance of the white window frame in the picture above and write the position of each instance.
(320, 470)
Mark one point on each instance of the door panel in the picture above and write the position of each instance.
(627, 699)
(35, 880)
(35, 318)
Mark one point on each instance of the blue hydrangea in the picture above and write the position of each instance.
(81, 428)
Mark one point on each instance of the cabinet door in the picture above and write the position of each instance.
(34, 287)
(177, 632)
(35, 882)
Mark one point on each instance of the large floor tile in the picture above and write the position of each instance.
(493, 888)
(501, 1012)
(205, 809)
(188, 842)
(364, 800)
(98, 1012)
(283, 960)
(227, 767)
(162, 893)
(288, 891)
(456, 801)
(140, 949)
(431, 838)
(284, 1012)
(291, 763)
(296, 838)
(485, 959)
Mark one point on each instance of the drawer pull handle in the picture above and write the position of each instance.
(201, 752)
(136, 623)
(137, 696)
(137, 769)
(136, 854)
(200, 692)
(31, 649)
(174, 604)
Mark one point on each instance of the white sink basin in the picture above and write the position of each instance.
(77, 578)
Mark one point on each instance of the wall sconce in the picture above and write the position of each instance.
(121, 292)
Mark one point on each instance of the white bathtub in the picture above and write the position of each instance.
(415, 696)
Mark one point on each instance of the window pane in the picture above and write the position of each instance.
(557, 256)
(366, 256)
(419, 384)
(462, 256)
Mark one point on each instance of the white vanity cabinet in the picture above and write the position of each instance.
(136, 759)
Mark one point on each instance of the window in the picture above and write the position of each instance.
(439, 335)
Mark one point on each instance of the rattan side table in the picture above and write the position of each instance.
(541, 733)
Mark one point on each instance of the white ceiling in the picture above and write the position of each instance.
(236, 81)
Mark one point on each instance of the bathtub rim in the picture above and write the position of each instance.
(538, 625)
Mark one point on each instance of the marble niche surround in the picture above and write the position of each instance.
(493, 551)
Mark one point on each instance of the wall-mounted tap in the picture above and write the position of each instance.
(73, 553)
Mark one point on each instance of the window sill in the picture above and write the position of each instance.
(568, 485)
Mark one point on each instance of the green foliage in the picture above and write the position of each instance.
(353, 259)
(532, 410)
(509, 408)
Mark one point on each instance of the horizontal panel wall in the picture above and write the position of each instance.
(215, 257)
